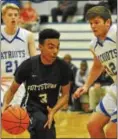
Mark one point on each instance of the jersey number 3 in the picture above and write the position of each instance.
(11, 66)
(112, 69)
(43, 98)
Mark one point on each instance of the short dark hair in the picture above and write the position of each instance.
(100, 11)
(48, 34)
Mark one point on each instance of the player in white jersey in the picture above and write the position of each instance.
(17, 45)
(103, 47)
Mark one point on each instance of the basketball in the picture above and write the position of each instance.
(15, 120)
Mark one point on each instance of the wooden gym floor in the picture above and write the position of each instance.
(68, 125)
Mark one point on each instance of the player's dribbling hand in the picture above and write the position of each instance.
(80, 91)
(4, 107)
(50, 117)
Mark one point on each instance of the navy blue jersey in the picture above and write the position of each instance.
(42, 82)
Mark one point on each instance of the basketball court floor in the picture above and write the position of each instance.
(68, 125)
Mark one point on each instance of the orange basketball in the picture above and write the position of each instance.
(15, 120)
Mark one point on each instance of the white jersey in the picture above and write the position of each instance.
(106, 51)
(14, 50)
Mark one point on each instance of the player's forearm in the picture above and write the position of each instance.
(61, 102)
(8, 97)
(93, 75)
(10, 93)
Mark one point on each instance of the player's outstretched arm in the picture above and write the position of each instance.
(80, 91)
(31, 45)
(95, 72)
(9, 95)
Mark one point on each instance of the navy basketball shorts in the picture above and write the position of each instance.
(36, 127)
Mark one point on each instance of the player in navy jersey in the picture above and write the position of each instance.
(103, 47)
(44, 75)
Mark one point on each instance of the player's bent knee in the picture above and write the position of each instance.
(40, 125)
(93, 126)
(38, 121)
(111, 130)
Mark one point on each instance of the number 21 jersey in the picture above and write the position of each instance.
(14, 50)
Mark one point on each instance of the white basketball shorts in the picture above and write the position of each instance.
(108, 105)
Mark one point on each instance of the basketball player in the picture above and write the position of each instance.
(44, 75)
(103, 47)
(17, 44)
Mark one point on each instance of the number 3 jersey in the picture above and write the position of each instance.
(14, 50)
(106, 51)
(42, 82)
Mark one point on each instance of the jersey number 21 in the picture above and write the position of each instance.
(11, 66)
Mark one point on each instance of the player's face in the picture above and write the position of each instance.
(49, 50)
(99, 27)
(11, 17)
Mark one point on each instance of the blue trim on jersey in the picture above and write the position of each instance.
(103, 109)
(107, 38)
(15, 37)
(98, 42)
(114, 121)
(95, 45)
(3, 38)
(115, 112)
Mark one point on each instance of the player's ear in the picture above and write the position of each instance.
(40, 47)
(108, 22)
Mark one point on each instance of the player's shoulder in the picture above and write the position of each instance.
(24, 31)
(29, 62)
(113, 28)
(24, 34)
(60, 61)
(93, 42)
(2, 28)
(111, 35)
(62, 64)
(35, 58)
(26, 61)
